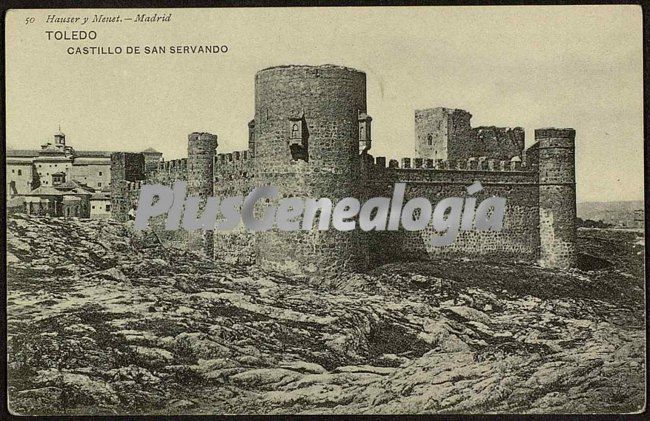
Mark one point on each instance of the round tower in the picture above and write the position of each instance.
(306, 142)
(201, 150)
(557, 197)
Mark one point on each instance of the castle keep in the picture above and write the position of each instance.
(311, 137)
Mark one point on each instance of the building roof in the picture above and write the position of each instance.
(53, 150)
(75, 186)
(77, 163)
(16, 161)
(101, 195)
(151, 150)
(45, 191)
(52, 158)
(92, 154)
(22, 153)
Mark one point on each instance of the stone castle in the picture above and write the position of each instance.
(311, 137)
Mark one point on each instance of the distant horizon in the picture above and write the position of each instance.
(613, 201)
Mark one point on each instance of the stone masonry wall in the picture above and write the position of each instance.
(446, 133)
(125, 167)
(201, 150)
(440, 131)
(234, 176)
(555, 152)
(492, 142)
(326, 102)
(519, 239)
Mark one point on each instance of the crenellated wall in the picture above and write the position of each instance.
(126, 193)
(519, 239)
(168, 172)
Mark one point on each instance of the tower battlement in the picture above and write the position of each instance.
(470, 164)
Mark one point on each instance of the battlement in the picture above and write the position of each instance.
(224, 158)
(471, 164)
(236, 167)
(494, 130)
(133, 186)
(173, 165)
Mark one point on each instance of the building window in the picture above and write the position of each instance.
(100, 173)
(295, 132)
(20, 172)
(430, 140)
(99, 184)
(364, 127)
(108, 208)
(93, 206)
(12, 171)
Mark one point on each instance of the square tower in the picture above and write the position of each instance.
(439, 132)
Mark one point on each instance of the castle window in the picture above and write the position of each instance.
(12, 171)
(108, 208)
(100, 173)
(20, 172)
(99, 184)
(364, 132)
(298, 136)
(430, 140)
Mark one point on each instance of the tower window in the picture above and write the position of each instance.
(295, 132)
(20, 172)
(430, 139)
(364, 132)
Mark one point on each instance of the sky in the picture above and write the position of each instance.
(534, 67)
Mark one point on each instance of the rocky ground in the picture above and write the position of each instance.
(101, 321)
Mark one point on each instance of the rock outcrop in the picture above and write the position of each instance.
(104, 321)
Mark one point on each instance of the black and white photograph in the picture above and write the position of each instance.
(325, 210)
